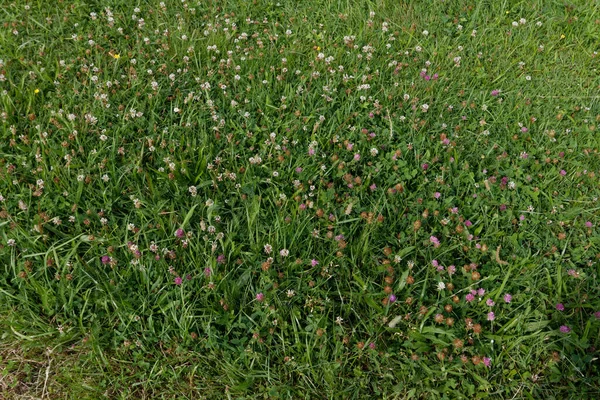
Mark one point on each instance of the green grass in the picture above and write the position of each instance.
(245, 199)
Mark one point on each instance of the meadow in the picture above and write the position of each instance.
(299, 199)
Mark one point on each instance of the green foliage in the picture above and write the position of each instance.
(299, 199)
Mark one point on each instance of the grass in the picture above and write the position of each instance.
(317, 199)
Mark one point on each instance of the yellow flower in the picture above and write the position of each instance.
(36, 91)
(562, 36)
(318, 48)
(116, 56)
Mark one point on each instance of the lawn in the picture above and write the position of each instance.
(299, 199)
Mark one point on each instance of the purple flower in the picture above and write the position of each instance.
(221, 259)
(356, 157)
(178, 280)
(392, 298)
(495, 92)
(314, 262)
(563, 172)
(373, 187)
(507, 298)
(588, 224)
(490, 302)
(260, 297)
(435, 241)
(491, 316)
(451, 269)
(207, 271)
(425, 166)
(565, 329)
(481, 291)
(372, 346)
(469, 297)
(106, 259)
(298, 169)
(188, 277)
(560, 307)
(597, 314)
(468, 223)
(487, 361)
(179, 233)
(437, 195)
(573, 273)
(435, 263)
